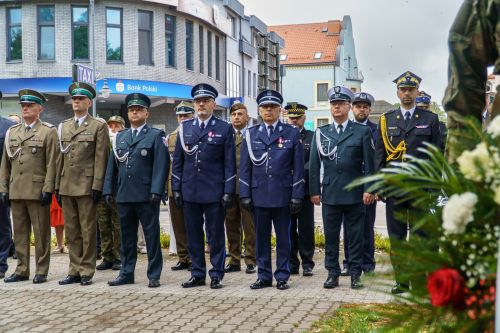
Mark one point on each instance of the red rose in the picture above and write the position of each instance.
(446, 286)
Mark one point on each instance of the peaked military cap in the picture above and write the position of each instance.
(82, 89)
(339, 93)
(116, 119)
(408, 79)
(363, 97)
(184, 108)
(295, 110)
(31, 96)
(137, 99)
(423, 99)
(204, 90)
(238, 106)
(269, 97)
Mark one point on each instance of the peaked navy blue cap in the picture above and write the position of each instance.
(408, 79)
(363, 97)
(204, 90)
(295, 110)
(269, 97)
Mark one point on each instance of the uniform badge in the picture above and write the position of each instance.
(33, 150)
(144, 152)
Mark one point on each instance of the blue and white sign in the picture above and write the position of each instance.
(83, 73)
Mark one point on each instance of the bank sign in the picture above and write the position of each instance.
(150, 88)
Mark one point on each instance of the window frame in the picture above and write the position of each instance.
(217, 58)
(151, 16)
(39, 26)
(8, 27)
(201, 48)
(317, 102)
(189, 45)
(121, 34)
(210, 71)
(173, 35)
(73, 24)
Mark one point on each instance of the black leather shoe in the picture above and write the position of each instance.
(116, 266)
(40, 278)
(399, 288)
(86, 281)
(194, 282)
(307, 272)
(120, 280)
(344, 271)
(356, 282)
(282, 285)
(294, 271)
(331, 282)
(15, 278)
(250, 269)
(154, 283)
(104, 265)
(70, 279)
(259, 284)
(180, 266)
(231, 268)
(215, 283)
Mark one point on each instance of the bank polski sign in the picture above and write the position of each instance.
(150, 88)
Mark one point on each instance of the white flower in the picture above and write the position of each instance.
(458, 212)
(479, 164)
(494, 127)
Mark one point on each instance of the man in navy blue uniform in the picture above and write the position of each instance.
(5, 227)
(203, 183)
(345, 149)
(302, 228)
(272, 182)
(135, 177)
(361, 108)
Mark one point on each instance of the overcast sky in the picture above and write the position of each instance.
(391, 36)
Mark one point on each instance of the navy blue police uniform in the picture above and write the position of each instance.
(272, 177)
(402, 132)
(204, 174)
(302, 227)
(346, 154)
(6, 243)
(137, 172)
(368, 257)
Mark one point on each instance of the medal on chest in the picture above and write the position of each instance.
(280, 142)
(210, 136)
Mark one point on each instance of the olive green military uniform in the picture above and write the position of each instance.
(81, 170)
(176, 216)
(29, 171)
(235, 218)
(109, 227)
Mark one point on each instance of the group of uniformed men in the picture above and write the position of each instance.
(218, 177)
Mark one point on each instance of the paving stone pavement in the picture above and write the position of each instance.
(48, 307)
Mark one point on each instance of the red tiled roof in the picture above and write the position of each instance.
(302, 41)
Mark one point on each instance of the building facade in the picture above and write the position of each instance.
(159, 47)
(316, 57)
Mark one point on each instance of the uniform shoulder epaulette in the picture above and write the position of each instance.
(49, 125)
(15, 125)
(156, 129)
(390, 112)
(426, 111)
(185, 120)
(253, 126)
(69, 119)
(358, 124)
(324, 126)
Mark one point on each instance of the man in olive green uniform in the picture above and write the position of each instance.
(184, 111)
(27, 179)
(107, 217)
(84, 144)
(235, 216)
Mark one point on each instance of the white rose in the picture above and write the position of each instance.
(474, 163)
(494, 127)
(458, 212)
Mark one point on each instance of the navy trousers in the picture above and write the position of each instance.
(5, 237)
(302, 236)
(264, 218)
(212, 214)
(149, 216)
(368, 256)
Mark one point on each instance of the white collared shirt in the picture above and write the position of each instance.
(80, 120)
(344, 125)
(206, 121)
(30, 126)
(242, 131)
(273, 125)
(403, 111)
(139, 129)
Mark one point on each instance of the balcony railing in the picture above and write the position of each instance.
(247, 48)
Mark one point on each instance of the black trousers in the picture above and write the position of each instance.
(302, 236)
(5, 237)
(368, 256)
(149, 216)
(353, 218)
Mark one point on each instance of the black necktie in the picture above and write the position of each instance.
(77, 124)
(134, 134)
(27, 129)
(341, 129)
(271, 130)
(202, 126)
(407, 118)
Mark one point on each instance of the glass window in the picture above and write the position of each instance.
(46, 33)
(249, 88)
(209, 50)
(14, 34)
(114, 34)
(254, 85)
(170, 39)
(80, 33)
(233, 80)
(322, 92)
(232, 26)
(202, 51)
(217, 58)
(189, 45)
(145, 37)
(322, 122)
